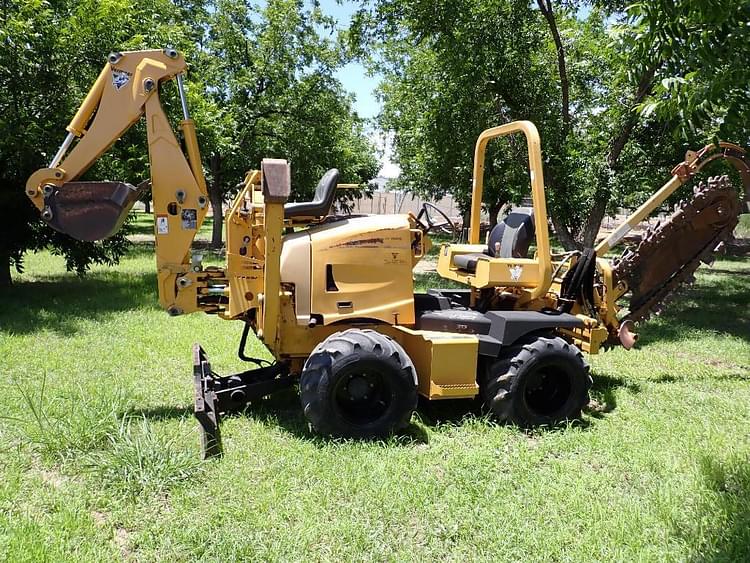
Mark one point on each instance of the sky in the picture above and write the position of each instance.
(353, 76)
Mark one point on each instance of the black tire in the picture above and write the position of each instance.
(541, 381)
(358, 384)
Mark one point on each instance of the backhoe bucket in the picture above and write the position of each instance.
(89, 210)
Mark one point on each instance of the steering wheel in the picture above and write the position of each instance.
(446, 226)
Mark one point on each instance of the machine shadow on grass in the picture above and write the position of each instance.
(718, 303)
(283, 410)
(60, 302)
(603, 395)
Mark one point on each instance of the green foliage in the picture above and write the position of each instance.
(261, 84)
(452, 69)
(702, 48)
(450, 72)
(50, 55)
(271, 71)
(138, 459)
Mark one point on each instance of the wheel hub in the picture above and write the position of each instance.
(358, 387)
(547, 391)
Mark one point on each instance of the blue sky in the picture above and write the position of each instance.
(355, 79)
(353, 76)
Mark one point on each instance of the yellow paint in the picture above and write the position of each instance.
(194, 153)
(370, 260)
(274, 222)
(446, 363)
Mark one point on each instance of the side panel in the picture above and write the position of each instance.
(296, 269)
(362, 268)
(446, 363)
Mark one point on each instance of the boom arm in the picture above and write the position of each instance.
(692, 164)
(126, 88)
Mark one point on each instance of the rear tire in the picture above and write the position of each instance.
(358, 384)
(542, 380)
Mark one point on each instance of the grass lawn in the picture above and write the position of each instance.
(100, 457)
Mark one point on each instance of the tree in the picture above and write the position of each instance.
(596, 85)
(261, 84)
(271, 71)
(701, 47)
(50, 54)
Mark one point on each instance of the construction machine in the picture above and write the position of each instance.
(332, 297)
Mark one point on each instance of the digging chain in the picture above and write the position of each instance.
(670, 252)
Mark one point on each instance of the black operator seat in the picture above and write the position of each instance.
(510, 238)
(320, 206)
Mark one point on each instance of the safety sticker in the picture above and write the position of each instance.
(162, 225)
(516, 272)
(189, 219)
(120, 78)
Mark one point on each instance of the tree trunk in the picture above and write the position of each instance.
(617, 145)
(5, 279)
(494, 209)
(147, 206)
(566, 238)
(217, 201)
(594, 222)
(546, 9)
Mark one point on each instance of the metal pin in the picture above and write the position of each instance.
(61, 151)
(183, 100)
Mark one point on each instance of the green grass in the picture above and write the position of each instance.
(100, 451)
(743, 228)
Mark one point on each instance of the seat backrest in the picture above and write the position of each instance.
(320, 206)
(511, 237)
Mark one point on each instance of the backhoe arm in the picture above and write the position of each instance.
(126, 89)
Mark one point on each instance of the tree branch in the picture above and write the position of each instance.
(620, 140)
(545, 6)
(615, 150)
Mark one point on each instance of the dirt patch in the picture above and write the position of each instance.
(122, 540)
(713, 362)
(426, 265)
(52, 478)
(100, 519)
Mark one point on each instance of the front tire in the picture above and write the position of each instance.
(358, 384)
(541, 381)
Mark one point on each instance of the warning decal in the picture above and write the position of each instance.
(120, 78)
(189, 219)
(162, 225)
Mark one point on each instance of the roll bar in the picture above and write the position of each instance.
(535, 172)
